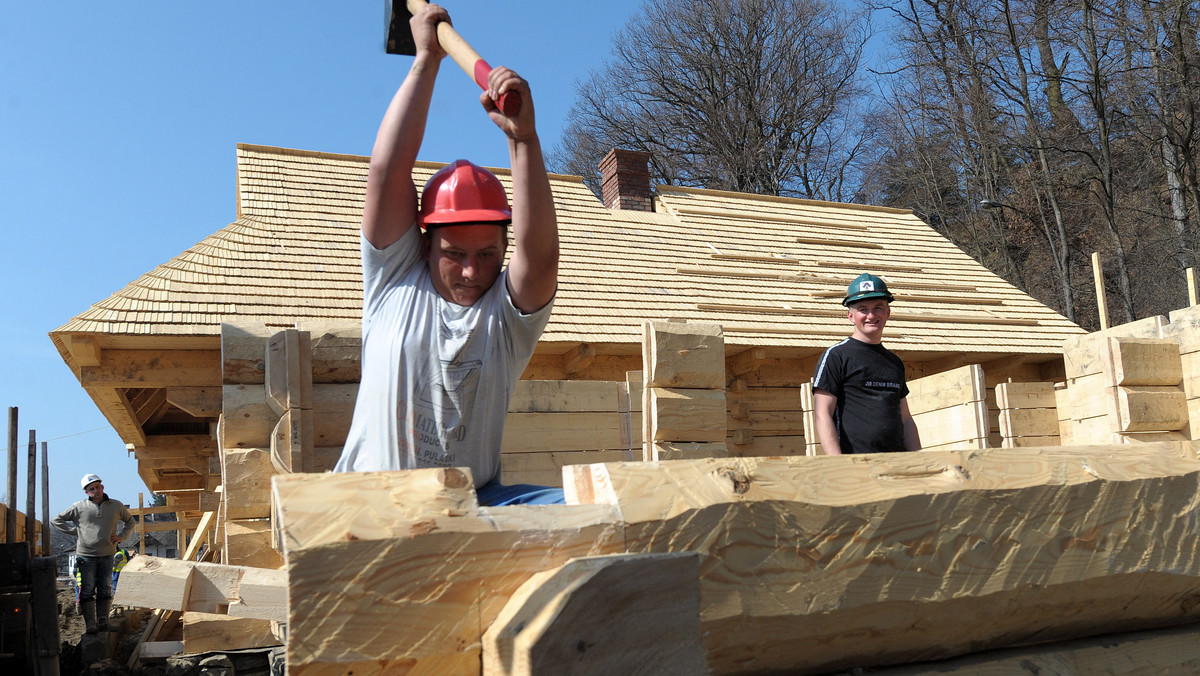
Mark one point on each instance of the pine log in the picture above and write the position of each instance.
(246, 482)
(1029, 422)
(248, 543)
(1085, 354)
(1159, 651)
(1148, 408)
(946, 389)
(403, 571)
(562, 621)
(678, 414)
(203, 632)
(675, 354)
(288, 371)
(891, 558)
(1025, 395)
(173, 584)
(1142, 361)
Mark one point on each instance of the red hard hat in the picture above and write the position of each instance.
(462, 192)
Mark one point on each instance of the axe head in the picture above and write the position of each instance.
(399, 37)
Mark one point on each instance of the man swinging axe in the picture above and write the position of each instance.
(447, 329)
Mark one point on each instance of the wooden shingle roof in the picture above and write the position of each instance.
(769, 270)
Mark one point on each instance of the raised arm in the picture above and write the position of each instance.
(391, 200)
(533, 265)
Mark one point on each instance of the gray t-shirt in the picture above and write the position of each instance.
(436, 376)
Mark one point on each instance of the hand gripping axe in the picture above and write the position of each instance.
(400, 41)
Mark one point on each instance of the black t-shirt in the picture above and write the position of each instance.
(868, 382)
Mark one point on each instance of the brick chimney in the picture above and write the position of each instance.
(625, 180)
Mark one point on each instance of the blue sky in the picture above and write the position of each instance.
(118, 127)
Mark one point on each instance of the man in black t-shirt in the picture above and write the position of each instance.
(859, 385)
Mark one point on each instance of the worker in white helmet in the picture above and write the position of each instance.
(93, 521)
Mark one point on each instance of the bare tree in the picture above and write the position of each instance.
(748, 95)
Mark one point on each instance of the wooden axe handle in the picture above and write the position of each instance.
(469, 60)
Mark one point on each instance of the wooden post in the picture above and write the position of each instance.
(141, 527)
(1101, 302)
(1191, 284)
(10, 521)
(45, 503)
(31, 493)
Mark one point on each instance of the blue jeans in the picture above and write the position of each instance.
(496, 494)
(95, 577)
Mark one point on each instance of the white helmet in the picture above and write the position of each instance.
(87, 479)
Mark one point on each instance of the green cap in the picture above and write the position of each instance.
(866, 286)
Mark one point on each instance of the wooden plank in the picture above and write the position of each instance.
(336, 350)
(1149, 409)
(1025, 395)
(885, 572)
(771, 423)
(246, 482)
(159, 650)
(561, 396)
(246, 418)
(243, 353)
(1062, 400)
(1142, 361)
(1030, 442)
(248, 543)
(333, 409)
(679, 414)
(1089, 397)
(689, 451)
(166, 446)
(155, 582)
(1095, 430)
(683, 355)
(292, 441)
(545, 468)
(1029, 422)
(201, 402)
(154, 369)
(1175, 650)
(1184, 329)
(768, 446)
(947, 389)
(962, 423)
(560, 621)
(288, 371)
(539, 432)
(1084, 355)
(766, 398)
(174, 584)
(417, 556)
(204, 632)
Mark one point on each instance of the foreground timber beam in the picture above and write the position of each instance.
(873, 560)
(173, 584)
(892, 558)
(402, 571)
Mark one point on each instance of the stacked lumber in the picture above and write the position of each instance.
(402, 571)
(1184, 329)
(223, 607)
(683, 409)
(552, 423)
(874, 560)
(1125, 385)
(1028, 414)
(766, 412)
(950, 409)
